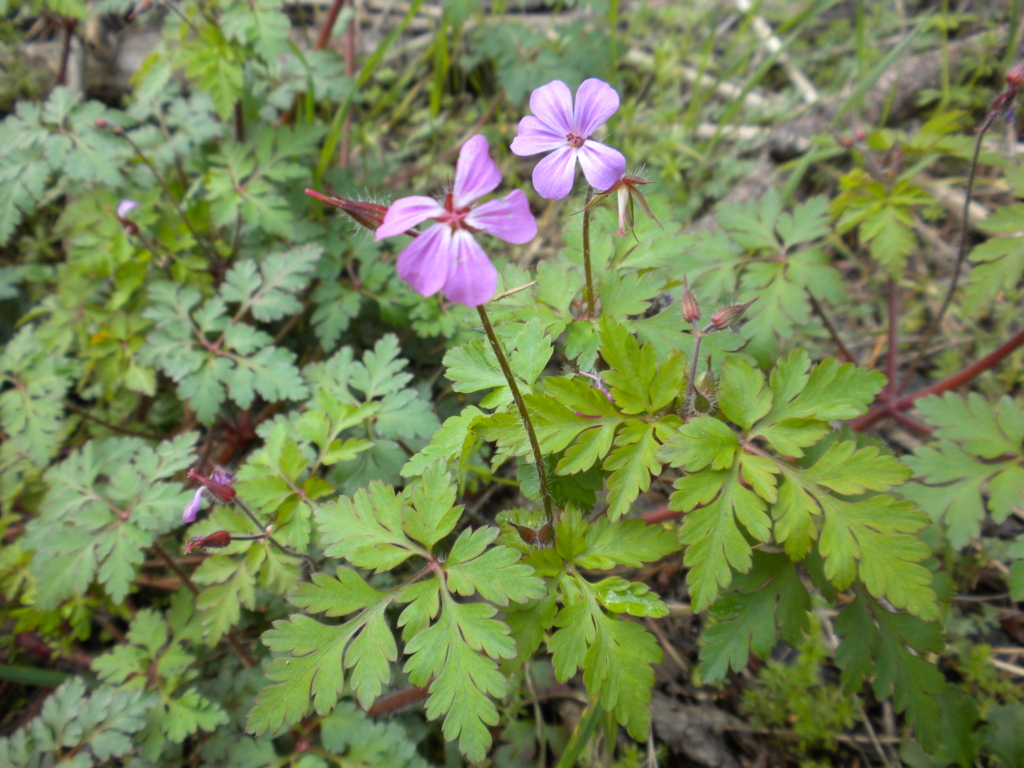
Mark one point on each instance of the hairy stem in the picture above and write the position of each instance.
(243, 653)
(691, 375)
(265, 535)
(385, 705)
(591, 300)
(890, 407)
(538, 457)
(961, 255)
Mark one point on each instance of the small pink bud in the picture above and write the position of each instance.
(215, 539)
(691, 309)
(1015, 77)
(369, 215)
(723, 318)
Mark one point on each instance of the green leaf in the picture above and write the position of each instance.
(632, 463)
(702, 442)
(741, 393)
(627, 542)
(771, 595)
(454, 657)
(632, 597)
(495, 573)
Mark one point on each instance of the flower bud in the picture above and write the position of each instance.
(215, 539)
(723, 318)
(219, 485)
(1015, 77)
(369, 215)
(691, 309)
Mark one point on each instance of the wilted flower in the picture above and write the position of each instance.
(370, 215)
(193, 507)
(555, 125)
(446, 256)
(123, 208)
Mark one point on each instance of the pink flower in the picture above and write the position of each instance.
(447, 255)
(193, 507)
(568, 132)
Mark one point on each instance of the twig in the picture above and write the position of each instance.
(960, 257)
(103, 422)
(874, 738)
(385, 705)
(844, 352)
(324, 37)
(538, 457)
(243, 654)
(68, 26)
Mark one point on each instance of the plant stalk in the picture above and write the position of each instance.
(890, 407)
(538, 457)
(591, 299)
(961, 255)
(243, 653)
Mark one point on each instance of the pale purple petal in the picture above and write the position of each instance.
(552, 103)
(536, 137)
(476, 173)
(601, 164)
(507, 218)
(596, 101)
(407, 213)
(124, 207)
(423, 263)
(472, 278)
(193, 507)
(554, 175)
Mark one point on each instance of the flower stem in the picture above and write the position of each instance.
(243, 653)
(691, 378)
(591, 301)
(538, 457)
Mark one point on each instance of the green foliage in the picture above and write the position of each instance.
(79, 730)
(974, 466)
(107, 503)
(795, 696)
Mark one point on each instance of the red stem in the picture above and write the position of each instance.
(324, 37)
(350, 68)
(891, 407)
(890, 356)
(385, 705)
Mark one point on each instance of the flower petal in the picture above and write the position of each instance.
(552, 103)
(536, 137)
(407, 213)
(424, 262)
(471, 276)
(193, 507)
(596, 101)
(601, 164)
(554, 175)
(507, 218)
(124, 207)
(476, 173)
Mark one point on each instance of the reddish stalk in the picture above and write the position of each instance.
(385, 705)
(891, 352)
(324, 37)
(65, 51)
(844, 353)
(890, 407)
(350, 68)
(243, 654)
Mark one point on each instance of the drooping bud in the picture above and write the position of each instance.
(369, 215)
(723, 318)
(215, 539)
(691, 308)
(193, 507)
(627, 189)
(219, 485)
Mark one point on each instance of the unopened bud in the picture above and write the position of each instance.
(1015, 77)
(369, 215)
(691, 309)
(215, 539)
(218, 485)
(723, 318)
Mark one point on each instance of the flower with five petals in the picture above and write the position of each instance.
(556, 126)
(446, 255)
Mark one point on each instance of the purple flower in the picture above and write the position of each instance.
(193, 507)
(124, 207)
(556, 126)
(447, 255)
